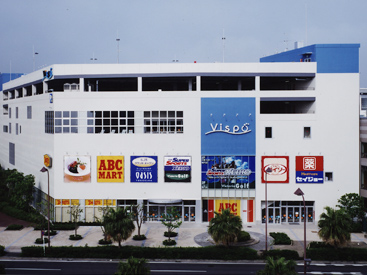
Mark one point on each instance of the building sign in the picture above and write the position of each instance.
(228, 126)
(77, 168)
(110, 169)
(309, 169)
(233, 205)
(275, 169)
(228, 172)
(47, 161)
(144, 168)
(177, 169)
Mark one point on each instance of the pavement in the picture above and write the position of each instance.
(189, 235)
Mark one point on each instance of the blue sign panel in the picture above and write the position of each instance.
(228, 172)
(144, 169)
(228, 126)
(309, 177)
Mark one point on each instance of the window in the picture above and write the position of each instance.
(16, 112)
(328, 176)
(5, 128)
(307, 132)
(268, 132)
(9, 128)
(29, 112)
(49, 122)
(163, 122)
(11, 153)
(16, 128)
(9, 112)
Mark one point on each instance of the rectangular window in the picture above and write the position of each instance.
(16, 128)
(9, 112)
(11, 153)
(328, 176)
(307, 132)
(163, 122)
(29, 112)
(49, 122)
(268, 132)
(16, 112)
(5, 128)
(9, 128)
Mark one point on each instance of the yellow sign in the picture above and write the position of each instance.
(233, 205)
(58, 202)
(74, 202)
(65, 202)
(47, 161)
(97, 202)
(110, 169)
(88, 202)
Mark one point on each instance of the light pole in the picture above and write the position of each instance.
(34, 59)
(118, 50)
(267, 170)
(48, 204)
(300, 193)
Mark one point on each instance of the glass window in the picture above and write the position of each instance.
(307, 132)
(268, 132)
(74, 114)
(90, 114)
(58, 114)
(74, 122)
(66, 114)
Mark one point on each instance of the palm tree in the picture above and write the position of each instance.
(278, 267)
(119, 225)
(334, 226)
(133, 266)
(225, 227)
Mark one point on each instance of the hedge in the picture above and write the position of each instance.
(113, 252)
(14, 227)
(278, 253)
(243, 236)
(280, 238)
(340, 254)
(2, 250)
(11, 211)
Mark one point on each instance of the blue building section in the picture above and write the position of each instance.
(5, 77)
(228, 126)
(330, 58)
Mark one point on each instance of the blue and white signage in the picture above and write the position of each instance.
(177, 169)
(228, 126)
(144, 169)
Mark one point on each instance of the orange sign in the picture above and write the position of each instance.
(65, 202)
(110, 169)
(47, 161)
(97, 202)
(58, 202)
(88, 202)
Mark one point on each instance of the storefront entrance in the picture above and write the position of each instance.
(156, 209)
(287, 211)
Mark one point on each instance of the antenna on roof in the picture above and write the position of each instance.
(223, 45)
(118, 47)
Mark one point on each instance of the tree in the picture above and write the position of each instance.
(225, 227)
(133, 266)
(119, 225)
(171, 220)
(75, 212)
(352, 203)
(334, 226)
(20, 189)
(102, 220)
(138, 215)
(278, 267)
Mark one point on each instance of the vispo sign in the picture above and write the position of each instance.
(227, 129)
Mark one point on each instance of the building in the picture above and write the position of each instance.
(195, 136)
(363, 139)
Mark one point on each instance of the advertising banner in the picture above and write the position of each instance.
(110, 169)
(309, 169)
(275, 169)
(144, 169)
(228, 172)
(233, 205)
(77, 169)
(177, 169)
(228, 126)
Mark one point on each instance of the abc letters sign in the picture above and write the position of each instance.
(233, 205)
(110, 169)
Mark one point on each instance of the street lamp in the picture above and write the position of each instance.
(300, 193)
(118, 50)
(48, 204)
(267, 170)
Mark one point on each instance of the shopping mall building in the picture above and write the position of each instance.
(200, 137)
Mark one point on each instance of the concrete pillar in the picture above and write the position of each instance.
(198, 83)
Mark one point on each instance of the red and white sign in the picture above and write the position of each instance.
(275, 169)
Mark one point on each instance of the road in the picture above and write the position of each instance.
(72, 266)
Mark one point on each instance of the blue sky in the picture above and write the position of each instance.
(74, 31)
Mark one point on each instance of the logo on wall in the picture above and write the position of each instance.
(235, 130)
(275, 169)
(177, 169)
(47, 75)
(233, 205)
(47, 161)
(309, 169)
(228, 172)
(76, 168)
(110, 169)
(144, 169)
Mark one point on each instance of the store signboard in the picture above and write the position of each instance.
(77, 168)
(144, 169)
(110, 168)
(228, 126)
(275, 169)
(236, 172)
(177, 169)
(233, 205)
(309, 169)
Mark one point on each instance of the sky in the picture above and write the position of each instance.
(163, 31)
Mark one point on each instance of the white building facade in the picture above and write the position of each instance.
(195, 136)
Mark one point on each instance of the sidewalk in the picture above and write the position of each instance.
(188, 235)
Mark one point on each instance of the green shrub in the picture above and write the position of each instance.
(103, 242)
(76, 237)
(356, 227)
(139, 238)
(243, 236)
(280, 238)
(15, 227)
(170, 234)
(113, 252)
(278, 253)
(169, 242)
(2, 250)
(40, 240)
(340, 254)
